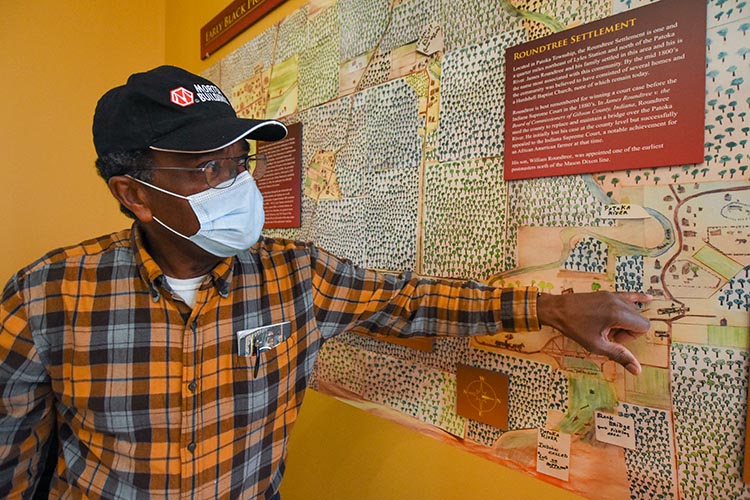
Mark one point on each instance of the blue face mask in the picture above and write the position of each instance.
(231, 218)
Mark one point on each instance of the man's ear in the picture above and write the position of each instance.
(132, 196)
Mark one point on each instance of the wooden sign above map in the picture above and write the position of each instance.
(233, 20)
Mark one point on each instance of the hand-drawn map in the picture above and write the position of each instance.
(402, 109)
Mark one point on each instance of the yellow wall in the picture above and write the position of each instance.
(338, 452)
(57, 59)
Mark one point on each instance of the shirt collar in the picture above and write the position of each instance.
(151, 273)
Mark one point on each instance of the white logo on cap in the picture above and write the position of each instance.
(207, 93)
(181, 96)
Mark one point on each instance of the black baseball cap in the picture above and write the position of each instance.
(170, 109)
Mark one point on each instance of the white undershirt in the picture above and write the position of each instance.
(186, 288)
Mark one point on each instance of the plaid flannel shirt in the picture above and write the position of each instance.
(150, 397)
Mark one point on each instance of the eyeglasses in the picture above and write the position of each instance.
(220, 173)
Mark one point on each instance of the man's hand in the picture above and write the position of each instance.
(598, 321)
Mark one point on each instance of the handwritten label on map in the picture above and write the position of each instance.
(616, 430)
(623, 211)
(553, 454)
(431, 40)
(619, 93)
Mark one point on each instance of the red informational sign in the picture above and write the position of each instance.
(233, 20)
(625, 92)
(281, 184)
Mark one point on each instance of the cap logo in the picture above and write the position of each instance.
(181, 96)
(208, 93)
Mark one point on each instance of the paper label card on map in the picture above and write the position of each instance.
(431, 40)
(616, 430)
(623, 211)
(553, 454)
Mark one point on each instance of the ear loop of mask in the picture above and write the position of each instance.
(156, 187)
(165, 192)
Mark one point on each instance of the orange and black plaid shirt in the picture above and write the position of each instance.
(150, 398)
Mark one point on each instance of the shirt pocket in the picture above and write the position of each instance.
(265, 382)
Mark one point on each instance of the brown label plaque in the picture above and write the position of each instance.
(281, 185)
(232, 21)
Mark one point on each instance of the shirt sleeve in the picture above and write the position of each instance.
(348, 297)
(26, 418)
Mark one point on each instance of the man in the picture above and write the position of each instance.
(171, 358)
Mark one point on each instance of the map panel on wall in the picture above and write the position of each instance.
(402, 170)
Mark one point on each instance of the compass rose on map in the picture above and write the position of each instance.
(482, 395)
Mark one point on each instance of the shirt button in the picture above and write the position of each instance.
(192, 386)
(191, 447)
